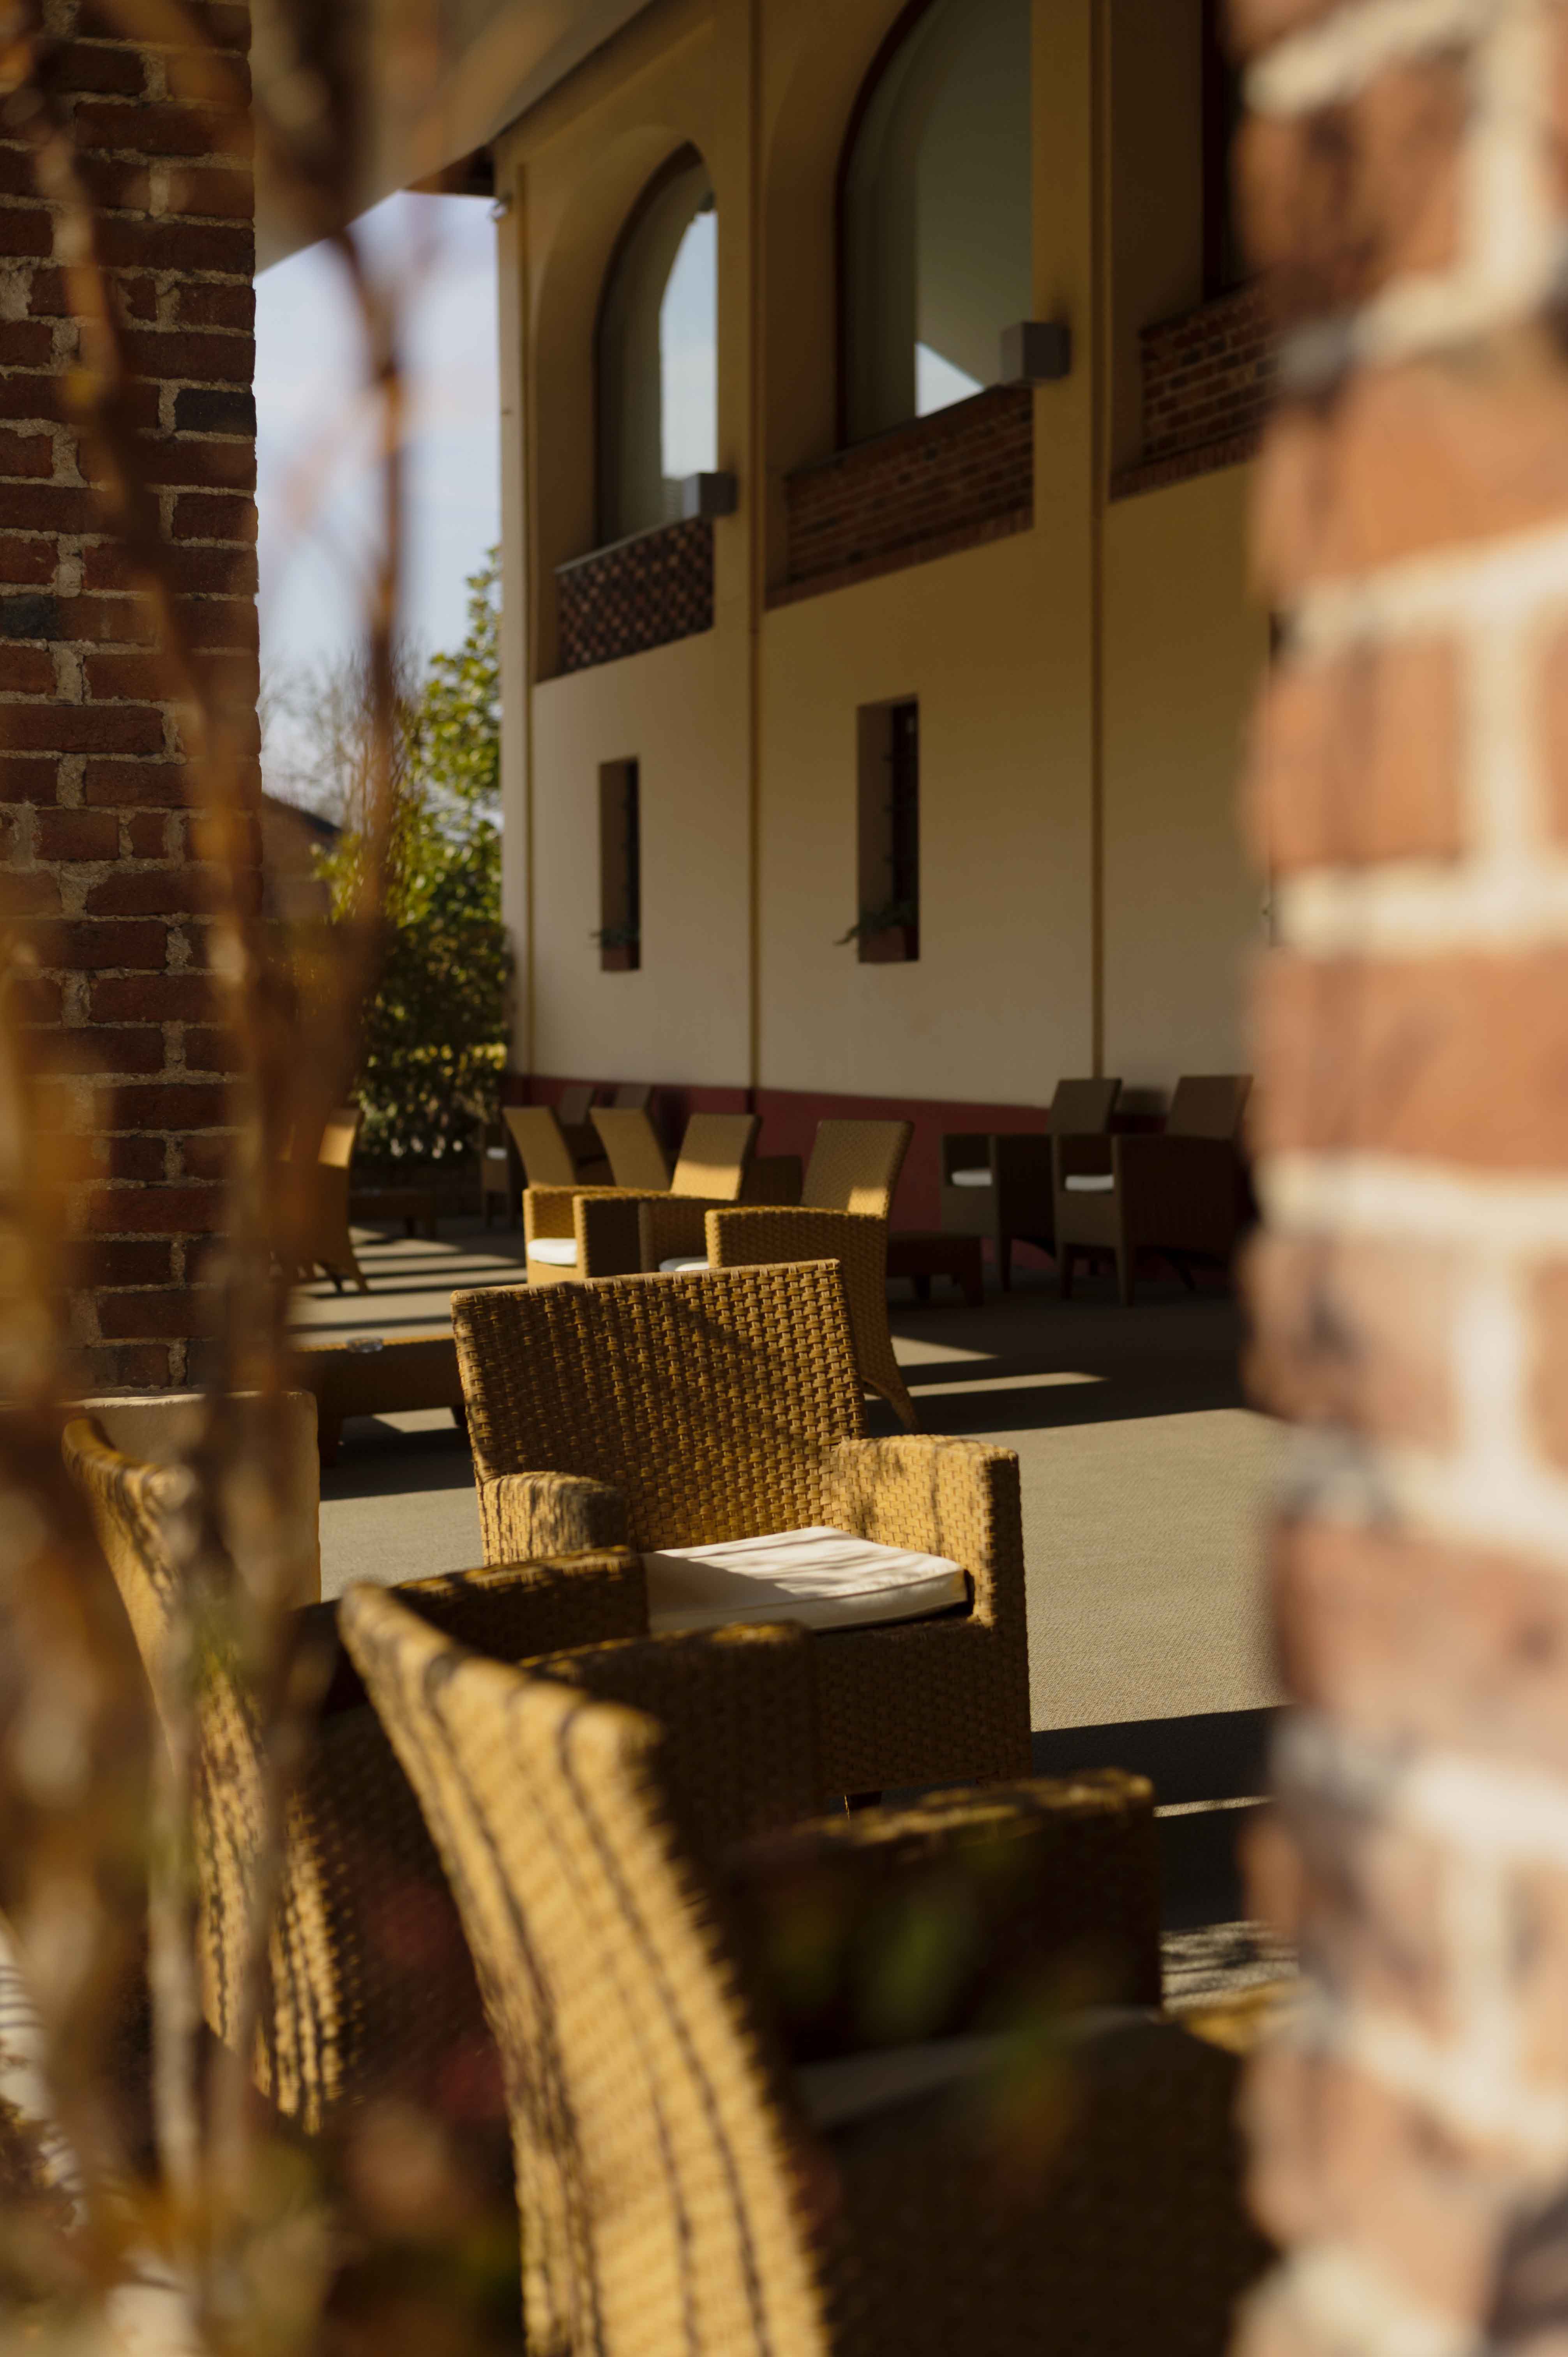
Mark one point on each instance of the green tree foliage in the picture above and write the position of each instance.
(435, 1037)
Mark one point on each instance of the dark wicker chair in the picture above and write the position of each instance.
(675, 1411)
(683, 2189)
(1183, 1193)
(999, 1186)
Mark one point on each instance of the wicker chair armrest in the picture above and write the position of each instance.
(547, 1212)
(999, 1891)
(1074, 1153)
(742, 1237)
(773, 1178)
(671, 1228)
(507, 1611)
(965, 1150)
(953, 1498)
(536, 1517)
(607, 1232)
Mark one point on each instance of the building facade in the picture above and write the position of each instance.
(875, 670)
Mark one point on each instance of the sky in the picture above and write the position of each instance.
(443, 248)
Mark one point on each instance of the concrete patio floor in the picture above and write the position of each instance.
(1144, 1474)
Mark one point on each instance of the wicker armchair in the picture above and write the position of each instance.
(844, 1216)
(669, 1412)
(598, 1231)
(633, 1147)
(683, 2190)
(320, 1238)
(1183, 1193)
(368, 1991)
(1000, 1187)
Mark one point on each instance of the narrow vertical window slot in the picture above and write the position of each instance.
(620, 868)
(886, 930)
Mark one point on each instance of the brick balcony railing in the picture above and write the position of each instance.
(925, 490)
(1207, 382)
(639, 593)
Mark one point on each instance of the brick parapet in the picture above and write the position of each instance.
(640, 593)
(1207, 380)
(954, 480)
(98, 802)
(1409, 793)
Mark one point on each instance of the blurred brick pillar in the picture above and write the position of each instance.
(1404, 174)
(95, 798)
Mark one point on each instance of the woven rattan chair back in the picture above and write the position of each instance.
(546, 1157)
(650, 2124)
(350, 2007)
(707, 1400)
(1208, 1105)
(1083, 1108)
(854, 1165)
(714, 1155)
(574, 1104)
(340, 1138)
(637, 1158)
(634, 1096)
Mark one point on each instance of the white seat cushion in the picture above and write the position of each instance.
(554, 1252)
(969, 1177)
(822, 1578)
(1092, 1182)
(495, 1154)
(674, 1268)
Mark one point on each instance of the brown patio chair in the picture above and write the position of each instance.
(844, 1216)
(596, 1232)
(367, 1990)
(999, 1185)
(634, 1096)
(1183, 1193)
(321, 1239)
(686, 2188)
(500, 1173)
(668, 1413)
(574, 1111)
(631, 1143)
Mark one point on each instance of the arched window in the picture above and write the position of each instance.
(936, 214)
(658, 352)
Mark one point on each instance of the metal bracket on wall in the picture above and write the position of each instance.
(1036, 351)
(708, 495)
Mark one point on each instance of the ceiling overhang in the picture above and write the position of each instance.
(480, 65)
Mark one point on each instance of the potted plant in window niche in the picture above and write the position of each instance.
(888, 934)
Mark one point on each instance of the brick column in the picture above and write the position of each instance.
(1404, 169)
(95, 799)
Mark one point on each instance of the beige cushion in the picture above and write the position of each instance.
(554, 1252)
(820, 1577)
(495, 1154)
(162, 1428)
(969, 1179)
(1092, 1182)
(675, 1267)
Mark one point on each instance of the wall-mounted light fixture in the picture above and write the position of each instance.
(1036, 351)
(708, 495)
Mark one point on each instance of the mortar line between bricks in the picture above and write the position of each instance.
(1332, 60)
(1518, 577)
(1382, 1196)
(1452, 1501)
(1512, 902)
(1338, 2287)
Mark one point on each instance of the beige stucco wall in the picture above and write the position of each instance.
(1184, 647)
(683, 1017)
(746, 736)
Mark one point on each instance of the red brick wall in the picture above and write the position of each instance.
(95, 798)
(965, 475)
(1407, 192)
(643, 592)
(1207, 382)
